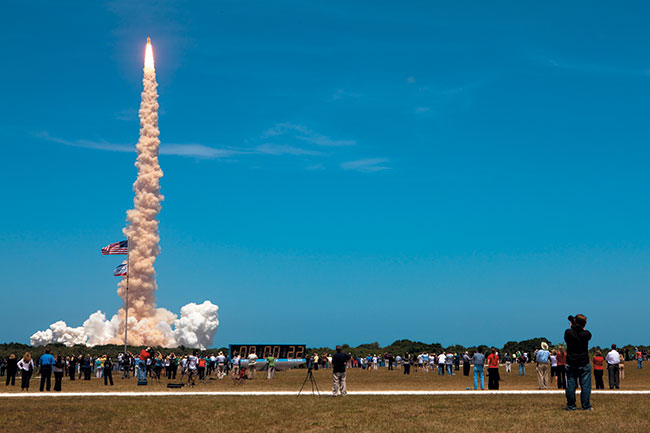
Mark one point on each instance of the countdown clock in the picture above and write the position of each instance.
(286, 355)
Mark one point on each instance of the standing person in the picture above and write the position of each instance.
(252, 365)
(126, 365)
(173, 364)
(142, 365)
(12, 368)
(46, 362)
(88, 366)
(202, 363)
(599, 369)
(235, 365)
(508, 360)
(80, 361)
(183, 363)
(466, 364)
(108, 371)
(479, 361)
(192, 366)
(621, 367)
(406, 363)
(577, 362)
(553, 366)
(72, 367)
(221, 365)
(449, 363)
(26, 367)
(521, 360)
(542, 358)
(442, 358)
(58, 370)
(158, 365)
(561, 368)
(270, 362)
(99, 369)
(339, 361)
(613, 359)
(493, 369)
(639, 358)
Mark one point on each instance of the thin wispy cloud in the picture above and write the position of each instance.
(340, 94)
(369, 165)
(303, 133)
(198, 151)
(187, 150)
(284, 149)
(128, 114)
(314, 167)
(88, 144)
(592, 68)
(307, 144)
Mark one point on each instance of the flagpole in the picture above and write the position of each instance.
(126, 308)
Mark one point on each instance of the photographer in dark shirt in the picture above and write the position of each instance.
(577, 362)
(339, 362)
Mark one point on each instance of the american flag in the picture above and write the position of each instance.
(121, 247)
(121, 270)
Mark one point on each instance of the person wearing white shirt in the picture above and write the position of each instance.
(613, 358)
(441, 364)
(221, 365)
(26, 368)
(252, 365)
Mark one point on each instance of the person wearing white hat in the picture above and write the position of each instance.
(542, 359)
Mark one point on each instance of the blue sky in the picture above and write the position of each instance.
(336, 172)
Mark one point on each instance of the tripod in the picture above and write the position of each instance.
(314, 386)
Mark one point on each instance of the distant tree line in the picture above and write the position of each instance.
(398, 347)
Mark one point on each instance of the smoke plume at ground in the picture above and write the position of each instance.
(195, 328)
(148, 325)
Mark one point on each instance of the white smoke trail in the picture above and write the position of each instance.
(196, 327)
(148, 325)
(142, 228)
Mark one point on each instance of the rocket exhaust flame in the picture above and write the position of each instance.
(148, 325)
(148, 56)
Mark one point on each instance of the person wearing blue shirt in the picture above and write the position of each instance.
(46, 362)
(542, 358)
(479, 361)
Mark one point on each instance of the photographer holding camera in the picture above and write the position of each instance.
(577, 362)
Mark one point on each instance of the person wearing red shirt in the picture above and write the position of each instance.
(599, 368)
(639, 358)
(142, 365)
(493, 369)
(201, 368)
(561, 368)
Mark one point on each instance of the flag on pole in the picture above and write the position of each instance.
(121, 270)
(121, 247)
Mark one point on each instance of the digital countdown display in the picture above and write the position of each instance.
(278, 351)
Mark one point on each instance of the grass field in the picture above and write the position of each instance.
(358, 380)
(313, 414)
(503, 413)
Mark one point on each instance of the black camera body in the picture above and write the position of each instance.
(572, 320)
